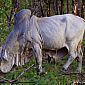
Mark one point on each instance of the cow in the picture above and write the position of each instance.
(52, 33)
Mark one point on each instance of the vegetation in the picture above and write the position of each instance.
(40, 8)
(52, 76)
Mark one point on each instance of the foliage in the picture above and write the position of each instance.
(5, 6)
(53, 75)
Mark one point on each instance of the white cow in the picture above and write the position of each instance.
(52, 33)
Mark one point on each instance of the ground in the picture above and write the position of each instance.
(53, 75)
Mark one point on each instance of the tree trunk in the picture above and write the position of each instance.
(73, 6)
(48, 14)
(67, 6)
(82, 8)
(79, 8)
(41, 8)
(56, 7)
(61, 11)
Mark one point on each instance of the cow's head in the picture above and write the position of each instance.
(21, 22)
(6, 60)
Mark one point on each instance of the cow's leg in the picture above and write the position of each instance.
(70, 60)
(73, 55)
(80, 55)
(38, 56)
(22, 44)
(49, 55)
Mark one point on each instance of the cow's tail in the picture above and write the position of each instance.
(79, 48)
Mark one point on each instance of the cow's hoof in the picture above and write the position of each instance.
(63, 71)
(78, 71)
(41, 72)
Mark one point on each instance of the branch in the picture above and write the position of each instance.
(4, 80)
(22, 73)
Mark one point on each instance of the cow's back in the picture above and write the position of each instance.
(52, 30)
(57, 31)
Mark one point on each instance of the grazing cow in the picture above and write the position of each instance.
(52, 33)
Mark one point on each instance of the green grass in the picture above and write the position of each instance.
(52, 76)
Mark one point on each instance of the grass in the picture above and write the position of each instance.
(52, 76)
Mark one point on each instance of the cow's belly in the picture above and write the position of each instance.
(53, 42)
(53, 34)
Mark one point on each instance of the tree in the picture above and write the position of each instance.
(79, 8)
(67, 6)
(82, 8)
(62, 6)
